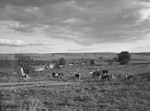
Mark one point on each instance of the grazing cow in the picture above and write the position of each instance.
(104, 77)
(26, 76)
(108, 77)
(96, 74)
(129, 77)
(55, 75)
(105, 72)
(77, 76)
(60, 75)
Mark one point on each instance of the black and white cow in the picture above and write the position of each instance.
(105, 72)
(96, 73)
(102, 75)
(129, 77)
(58, 75)
(107, 77)
(54, 75)
(26, 76)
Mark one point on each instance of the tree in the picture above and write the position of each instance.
(92, 62)
(25, 62)
(124, 57)
(62, 61)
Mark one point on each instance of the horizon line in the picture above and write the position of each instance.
(66, 52)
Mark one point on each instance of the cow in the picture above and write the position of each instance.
(96, 74)
(102, 75)
(129, 77)
(107, 77)
(54, 75)
(26, 76)
(105, 72)
(60, 75)
(77, 76)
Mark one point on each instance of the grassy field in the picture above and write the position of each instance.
(85, 94)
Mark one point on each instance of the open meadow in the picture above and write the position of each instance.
(44, 93)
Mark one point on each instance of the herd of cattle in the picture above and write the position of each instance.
(101, 75)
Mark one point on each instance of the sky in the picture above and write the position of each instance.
(72, 26)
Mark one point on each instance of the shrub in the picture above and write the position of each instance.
(62, 61)
(92, 62)
(124, 57)
(25, 62)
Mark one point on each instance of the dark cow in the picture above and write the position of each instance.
(96, 74)
(105, 72)
(77, 76)
(129, 77)
(99, 73)
(107, 77)
(60, 75)
(104, 77)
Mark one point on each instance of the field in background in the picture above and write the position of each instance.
(70, 56)
(88, 95)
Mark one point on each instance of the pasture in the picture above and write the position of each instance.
(86, 94)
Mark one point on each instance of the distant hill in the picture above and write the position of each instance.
(142, 53)
(51, 56)
(68, 56)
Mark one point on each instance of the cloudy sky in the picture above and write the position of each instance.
(48, 26)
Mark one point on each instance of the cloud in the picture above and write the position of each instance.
(144, 48)
(145, 14)
(18, 43)
(37, 3)
(72, 21)
(85, 22)
(81, 49)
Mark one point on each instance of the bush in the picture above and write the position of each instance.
(25, 62)
(124, 57)
(92, 62)
(62, 61)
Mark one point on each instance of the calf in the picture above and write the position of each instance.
(55, 75)
(105, 72)
(108, 77)
(96, 73)
(77, 76)
(104, 77)
(60, 75)
(128, 77)
(26, 76)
